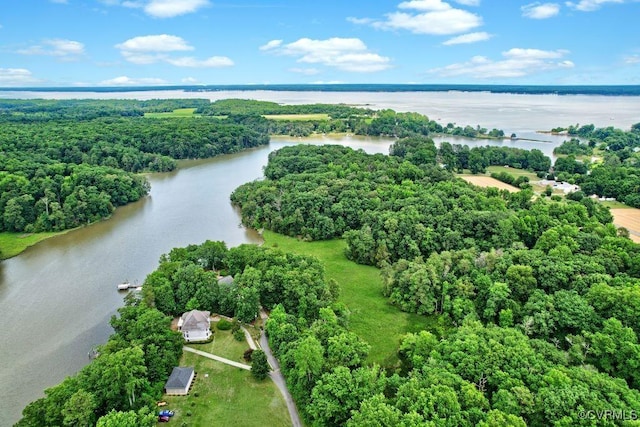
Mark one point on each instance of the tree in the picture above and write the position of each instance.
(259, 365)
(79, 410)
(127, 419)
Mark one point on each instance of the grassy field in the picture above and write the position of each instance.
(515, 172)
(224, 345)
(180, 112)
(300, 117)
(226, 396)
(372, 317)
(11, 244)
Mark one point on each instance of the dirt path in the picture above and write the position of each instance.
(218, 358)
(278, 378)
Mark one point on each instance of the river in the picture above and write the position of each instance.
(58, 296)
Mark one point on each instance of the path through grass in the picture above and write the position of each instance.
(373, 318)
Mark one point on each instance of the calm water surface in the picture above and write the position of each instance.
(57, 297)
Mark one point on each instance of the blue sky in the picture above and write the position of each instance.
(148, 42)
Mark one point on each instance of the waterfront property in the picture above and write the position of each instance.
(195, 325)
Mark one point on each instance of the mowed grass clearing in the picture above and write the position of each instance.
(11, 244)
(179, 112)
(628, 218)
(297, 117)
(223, 395)
(372, 317)
(224, 345)
(512, 171)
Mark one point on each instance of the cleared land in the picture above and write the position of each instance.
(180, 112)
(512, 171)
(372, 317)
(301, 117)
(224, 345)
(227, 396)
(487, 181)
(628, 218)
(11, 244)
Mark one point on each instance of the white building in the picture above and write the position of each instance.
(195, 325)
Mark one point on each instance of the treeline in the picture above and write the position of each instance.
(389, 207)
(225, 107)
(341, 118)
(38, 110)
(61, 167)
(123, 383)
(618, 176)
(187, 279)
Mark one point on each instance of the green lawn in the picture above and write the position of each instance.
(226, 396)
(372, 317)
(11, 244)
(513, 171)
(180, 112)
(616, 205)
(295, 117)
(224, 345)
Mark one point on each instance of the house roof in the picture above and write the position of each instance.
(179, 378)
(226, 280)
(195, 320)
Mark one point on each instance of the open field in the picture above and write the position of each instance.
(628, 218)
(11, 244)
(512, 171)
(224, 345)
(226, 396)
(301, 117)
(180, 112)
(372, 317)
(487, 181)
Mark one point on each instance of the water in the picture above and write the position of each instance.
(58, 296)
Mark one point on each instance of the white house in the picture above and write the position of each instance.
(195, 325)
(179, 381)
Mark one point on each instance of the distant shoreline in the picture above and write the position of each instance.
(606, 90)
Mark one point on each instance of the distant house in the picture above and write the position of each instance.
(179, 381)
(195, 325)
(226, 280)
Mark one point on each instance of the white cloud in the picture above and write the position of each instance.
(632, 59)
(305, 71)
(171, 8)
(591, 5)
(424, 5)
(271, 45)
(61, 48)
(347, 54)
(155, 43)
(469, 2)
(128, 81)
(16, 77)
(60, 1)
(359, 21)
(434, 17)
(160, 8)
(151, 49)
(468, 38)
(189, 80)
(213, 62)
(517, 62)
(540, 10)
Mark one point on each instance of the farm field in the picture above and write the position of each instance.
(628, 218)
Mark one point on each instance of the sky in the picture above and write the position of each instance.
(192, 42)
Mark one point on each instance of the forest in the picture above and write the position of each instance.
(541, 294)
(69, 163)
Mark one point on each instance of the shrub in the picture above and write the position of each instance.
(259, 365)
(238, 335)
(247, 354)
(224, 325)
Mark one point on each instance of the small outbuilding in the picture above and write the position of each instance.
(195, 325)
(179, 381)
